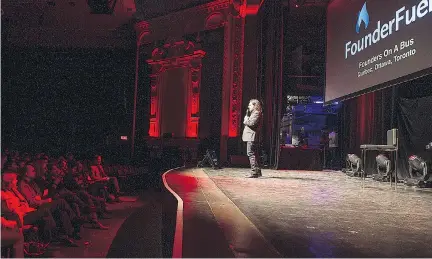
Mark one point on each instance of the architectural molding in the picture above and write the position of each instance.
(142, 29)
(227, 14)
(181, 54)
(237, 77)
(215, 20)
(183, 22)
(154, 129)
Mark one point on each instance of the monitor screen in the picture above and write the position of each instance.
(372, 44)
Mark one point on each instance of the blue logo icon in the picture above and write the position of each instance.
(363, 17)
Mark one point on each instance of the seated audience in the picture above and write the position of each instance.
(74, 182)
(15, 207)
(60, 209)
(98, 174)
(52, 195)
(95, 188)
(58, 189)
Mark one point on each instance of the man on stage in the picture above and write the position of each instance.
(252, 128)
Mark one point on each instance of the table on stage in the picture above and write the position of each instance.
(296, 158)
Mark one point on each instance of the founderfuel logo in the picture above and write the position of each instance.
(363, 17)
(403, 17)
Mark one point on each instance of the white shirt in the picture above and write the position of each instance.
(333, 139)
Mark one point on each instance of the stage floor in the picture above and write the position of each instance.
(329, 214)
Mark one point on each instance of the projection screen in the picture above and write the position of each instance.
(374, 44)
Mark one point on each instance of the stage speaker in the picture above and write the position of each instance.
(211, 159)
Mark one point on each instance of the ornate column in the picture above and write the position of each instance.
(154, 130)
(194, 97)
(232, 81)
(237, 76)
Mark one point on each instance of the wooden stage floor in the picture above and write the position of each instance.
(318, 213)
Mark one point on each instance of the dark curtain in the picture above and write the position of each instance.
(415, 129)
(211, 90)
(270, 71)
(366, 119)
(143, 94)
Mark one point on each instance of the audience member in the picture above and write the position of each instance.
(62, 165)
(98, 174)
(10, 165)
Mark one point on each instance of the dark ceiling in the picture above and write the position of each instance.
(54, 23)
(304, 46)
(148, 9)
(306, 25)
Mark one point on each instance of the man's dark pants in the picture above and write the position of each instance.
(252, 153)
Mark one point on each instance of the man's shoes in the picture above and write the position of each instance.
(98, 225)
(254, 174)
(76, 236)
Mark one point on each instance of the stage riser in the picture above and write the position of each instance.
(300, 159)
(239, 161)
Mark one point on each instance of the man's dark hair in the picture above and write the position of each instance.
(71, 164)
(22, 171)
(51, 163)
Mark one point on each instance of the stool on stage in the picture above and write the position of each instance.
(391, 146)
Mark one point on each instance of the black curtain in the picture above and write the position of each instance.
(415, 129)
(270, 71)
(211, 90)
(366, 119)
